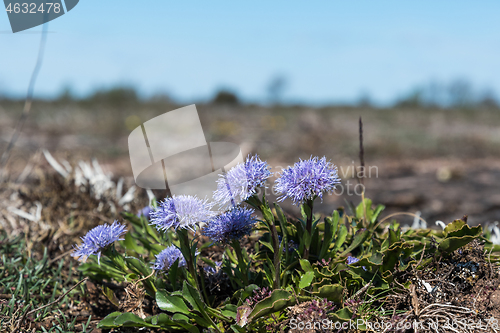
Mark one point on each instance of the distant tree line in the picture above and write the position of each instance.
(459, 93)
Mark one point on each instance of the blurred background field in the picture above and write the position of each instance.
(283, 80)
(441, 161)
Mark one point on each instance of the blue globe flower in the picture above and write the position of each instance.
(230, 225)
(182, 211)
(352, 260)
(241, 182)
(97, 239)
(306, 180)
(166, 258)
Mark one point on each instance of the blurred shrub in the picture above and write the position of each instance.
(459, 93)
(116, 96)
(225, 97)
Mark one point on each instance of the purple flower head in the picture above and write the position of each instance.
(351, 260)
(166, 258)
(97, 239)
(241, 182)
(306, 180)
(145, 211)
(230, 225)
(181, 211)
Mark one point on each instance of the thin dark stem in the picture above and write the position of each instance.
(310, 204)
(202, 278)
(276, 246)
(27, 104)
(184, 238)
(361, 152)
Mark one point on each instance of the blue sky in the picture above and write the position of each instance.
(328, 50)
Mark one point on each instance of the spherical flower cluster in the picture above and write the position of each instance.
(182, 211)
(230, 225)
(166, 258)
(306, 180)
(97, 239)
(241, 182)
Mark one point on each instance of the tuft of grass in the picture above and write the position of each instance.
(32, 282)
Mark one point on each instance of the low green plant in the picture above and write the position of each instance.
(337, 259)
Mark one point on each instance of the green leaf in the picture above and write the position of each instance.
(111, 296)
(341, 237)
(172, 273)
(453, 226)
(391, 257)
(332, 292)
(451, 244)
(131, 320)
(331, 225)
(307, 238)
(374, 260)
(238, 329)
(394, 236)
(109, 321)
(360, 210)
(183, 321)
(458, 235)
(267, 214)
(277, 301)
(267, 244)
(171, 303)
(360, 236)
(376, 213)
(137, 266)
(193, 297)
(229, 310)
(342, 315)
(306, 279)
(130, 244)
(163, 318)
(306, 265)
(180, 318)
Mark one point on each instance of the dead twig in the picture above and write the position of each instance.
(414, 300)
(361, 153)
(46, 305)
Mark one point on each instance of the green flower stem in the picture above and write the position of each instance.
(263, 206)
(202, 278)
(116, 258)
(188, 255)
(276, 246)
(310, 204)
(241, 262)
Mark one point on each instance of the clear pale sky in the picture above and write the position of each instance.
(328, 50)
